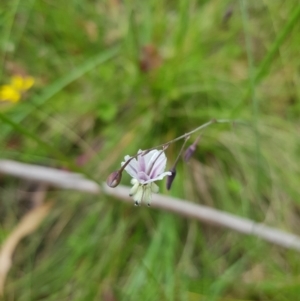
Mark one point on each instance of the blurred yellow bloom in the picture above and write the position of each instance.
(17, 86)
(9, 93)
(21, 83)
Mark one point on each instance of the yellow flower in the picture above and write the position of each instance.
(17, 86)
(9, 93)
(21, 83)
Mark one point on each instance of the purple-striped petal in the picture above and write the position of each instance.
(141, 162)
(160, 177)
(143, 177)
(147, 168)
(151, 158)
(131, 171)
(158, 167)
(132, 167)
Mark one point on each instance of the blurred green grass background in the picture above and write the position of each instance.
(115, 76)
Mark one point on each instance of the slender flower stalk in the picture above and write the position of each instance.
(171, 177)
(197, 129)
(148, 166)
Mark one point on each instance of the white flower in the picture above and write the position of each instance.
(145, 170)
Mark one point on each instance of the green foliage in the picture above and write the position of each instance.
(92, 98)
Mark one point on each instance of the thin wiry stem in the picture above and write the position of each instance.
(199, 128)
(184, 136)
(181, 150)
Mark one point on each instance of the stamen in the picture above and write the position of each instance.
(142, 199)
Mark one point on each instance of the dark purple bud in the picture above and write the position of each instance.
(171, 178)
(190, 150)
(114, 179)
(227, 15)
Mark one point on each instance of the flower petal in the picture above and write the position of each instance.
(142, 177)
(147, 195)
(160, 177)
(138, 196)
(141, 161)
(146, 168)
(135, 187)
(151, 158)
(154, 187)
(159, 166)
(132, 167)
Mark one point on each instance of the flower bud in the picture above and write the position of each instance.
(114, 179)
(171, 178)
(190, 150)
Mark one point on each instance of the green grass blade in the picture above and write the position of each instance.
(34, 137)
(61, 83)
(11, 13)
(266, 63)
(283, 34)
